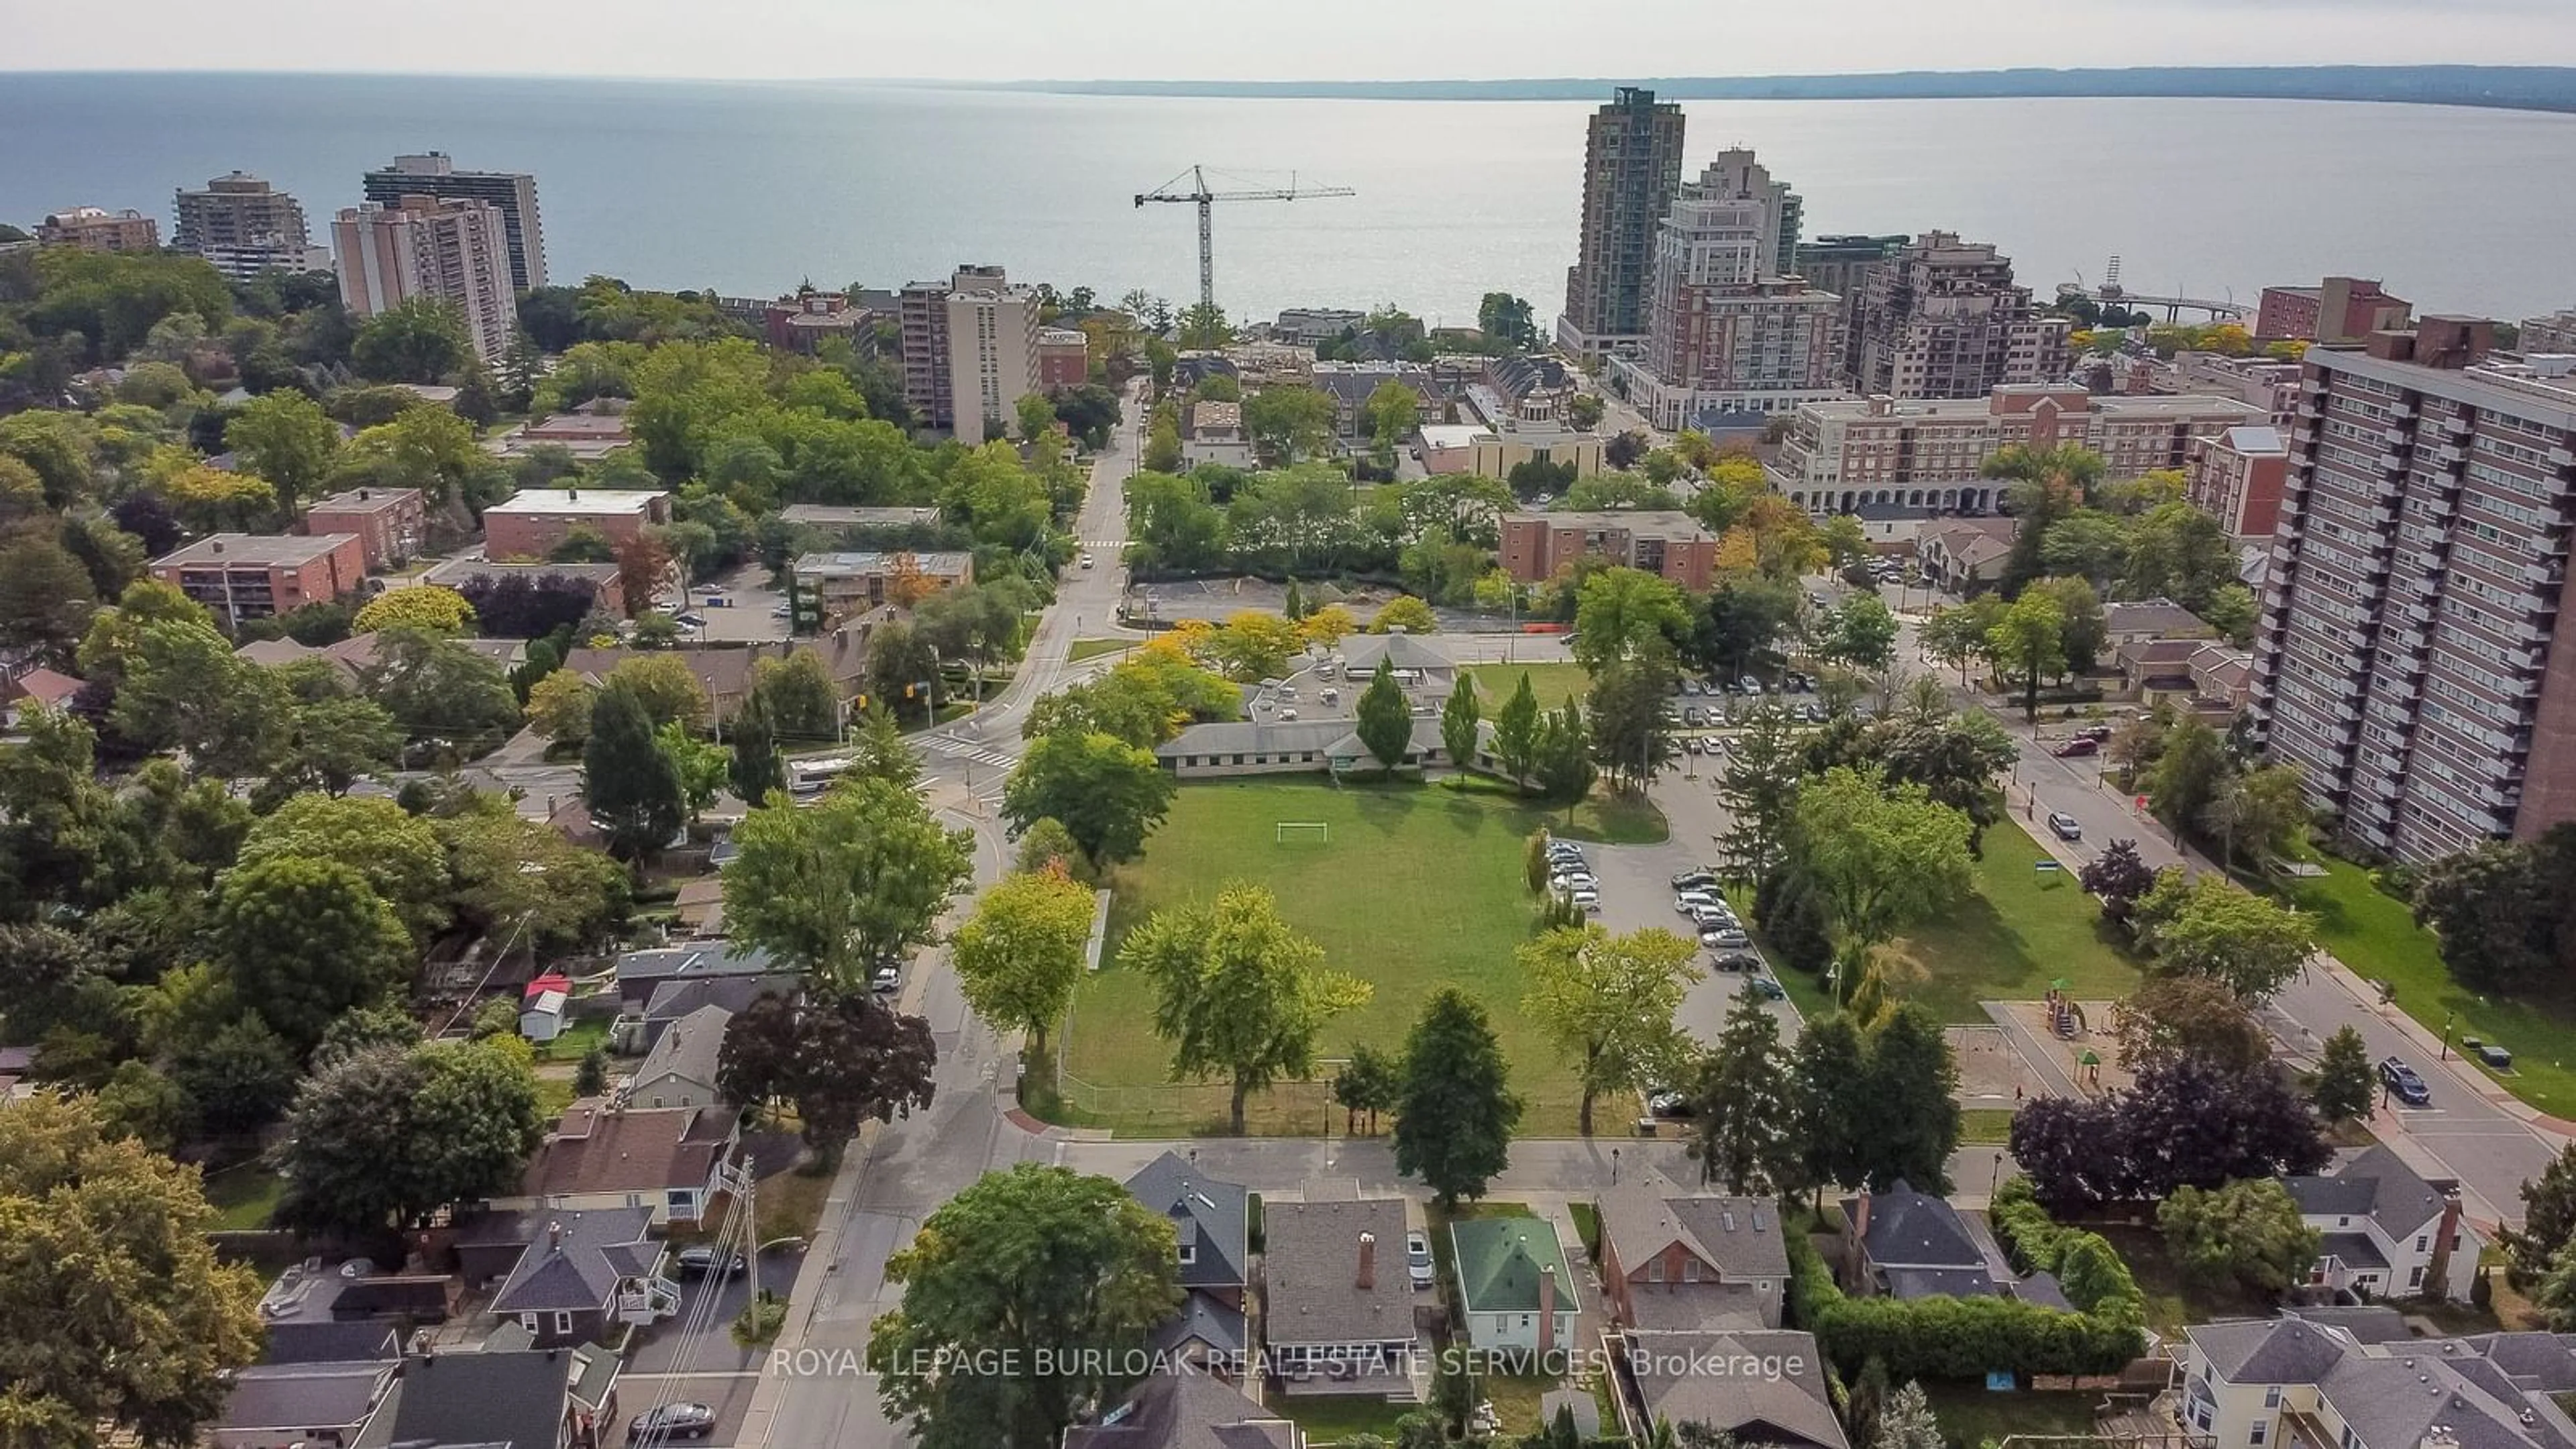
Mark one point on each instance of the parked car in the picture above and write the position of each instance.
(1589, 900)
(1417, 1259)
(2080, 745)
(2098, 733)
(2065, 826)
(2403, 1084)
(1767, 989)
(688, 619)
(1669, 1104)
(886, 978)
(1690, 898)
(1751, 684)
(1725, 938)
(673, 1421)
(1690, 686)
(1737, 961)
(1695, 717)
(700, 1260)
(1695, 880)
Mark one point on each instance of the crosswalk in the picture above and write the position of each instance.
(964, 749)
(1104, 543)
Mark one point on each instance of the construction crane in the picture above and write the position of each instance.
(1197, 191)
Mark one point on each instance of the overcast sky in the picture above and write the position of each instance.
(1263, 39)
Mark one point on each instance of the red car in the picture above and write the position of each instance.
(2080, 745)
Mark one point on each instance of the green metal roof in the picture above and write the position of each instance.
(1499, 1261)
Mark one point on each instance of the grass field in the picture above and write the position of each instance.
(1970, 1416)
(2375, 934)
(244, 1197)
(1551, 684)
(2021, 930)
(1992, 1125)
(1094, 648)
(1418, 887)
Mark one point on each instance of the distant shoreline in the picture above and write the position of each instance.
(2521, 88)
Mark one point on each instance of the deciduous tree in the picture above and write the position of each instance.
(2345, 1084)
(2170, 1017)
(1517, 733)
(389, 1135)
(1109, 794)
(1455, 1110)
(2249, 1232)
(1385, 720)
(395, 852)
(426, 607)
(1608, 1004)
(832, 888)
(305, 940)
(2030, 640)
(755, 767)
(1458, 725)
(632, 787)
(1020, 955)
(1878, 857)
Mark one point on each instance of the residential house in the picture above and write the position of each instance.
(673, 1000)
(1909, 1244)
(2293, 1382)
(299, 1405)
(585, 1274)
(38, 688)
(1209, 1220)
(356, 1341)
(698, 908)
(2153, 671)
(2389, 1233)
(1349, 384)
(1182, 1410)
(671, 1161)
(1514, 1290)
(1337, 1309)
(680, 1070)
(723, 670)
(1212, 432)
(315, 1292)
(640, 973)
(504, 1398)
(2134, 619)
(1762, 1386)
(1684, 1261)
(2224, 674)
(1964, 555)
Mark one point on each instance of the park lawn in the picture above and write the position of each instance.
(1094, 648)
(2375, 934)
(1988, 1125)
(244, 1197)
(1551, 684)
(2019, 930)
(1417, 887)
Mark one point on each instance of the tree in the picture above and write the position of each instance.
(1743, 1109)
(853, 879)
(1458, 720)
(2184, 1123)
(2210, 926)
(395, 852)
(2249, 1232)
(2170, 1017)
(121, 1323)
(2188, 775)
(1018, 1267)
(1517, 733)
(1878, 857)
(2030, 639)
(643, 567)
(1861, 632)
(2345, 1084)
(425, 607)
(798, 690)
(390, 1135)
(2119, 877)
(1507, 321)
(183, 688)
(305, 940)
(1455, 1111)
(440, 692)
(1368, 1082)
(1623, 614)
(1289, 422)
(1908, 1111)
(339, 741)
(1565, 770)
(560, 705)
(2082, 629)
(700, 766)
(2548, 1218)
(755, 767)
(632, 787)
(1608, 1004)
(45, 597)
(1906, 1421)
(421, 339)
(664, 685)
(1403, 613)
(2262, 813)
(1629, 740)
(1021, 954)
(1385, 720)
(1759, 788)
(286, 438)
(1238, 994)
(1389, 413)
(2499, 913)
(1107, 793)
(238, 1079)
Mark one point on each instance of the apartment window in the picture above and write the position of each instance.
(2272, 1396)
(2261, 1428)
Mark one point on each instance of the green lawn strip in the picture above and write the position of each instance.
(2174, 1301)
(1551, 684)
(1331, 1418)
(244, 1197)
(576, 1041)
(1990, 1125)
(1416, 887)
(2375, 934)
(2021, 929)
(1094, 648)
(1971, 1416)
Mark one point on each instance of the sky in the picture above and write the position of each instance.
(997, 40)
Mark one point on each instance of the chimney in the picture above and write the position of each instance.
(215, 545)
(2437, 1273)
(554, 1237)
(1368, 1262)
(362, 495)
(1546, 1312)
(572, 495)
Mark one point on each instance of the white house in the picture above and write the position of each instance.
(680, 1070)
(2388, 1232)
(1514, 1292)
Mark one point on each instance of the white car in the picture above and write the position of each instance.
(1686, 902)
(1086, 560)
(1417, 1259)
(1588, 899)
(1725, 938)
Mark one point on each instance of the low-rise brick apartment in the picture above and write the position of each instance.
(252, 575)
(2236, 478)
(1536, 546)
(1926, 457)
(2414, 657)
(529, 523)
(389, 522)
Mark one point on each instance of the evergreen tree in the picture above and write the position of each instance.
(1385, 720)
(1458, 720)
(633, 790)
(1517, 734)
(1910, 1107)
(1740, 1130)
(2345, 1083)
(1830, 1059)
(1759, 788)
(757, 768)
(1455, 1111)
(1794, 923)
(1565, 769)
(1295, 607)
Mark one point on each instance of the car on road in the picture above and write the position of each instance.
(886, 979)
(700, 1260)
(1767, 989)
(1086, 560)
(2404, 1084)
(672, 1421)
(2078, 746)
(2065, 826)
(1695, 880)
(1736, 961)
(1417, 1259)
(688, 619)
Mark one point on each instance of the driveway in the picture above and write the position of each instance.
(662, 1350)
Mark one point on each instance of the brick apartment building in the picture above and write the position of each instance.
(1064, 358)
(2236, 478)
(2415, 656)
(1923, 457)
(802, 323)
(389, 522)
(1670, 544)
(529, 523)
(94, 229)
(253, 576)
(830, 587)
(2339, 309)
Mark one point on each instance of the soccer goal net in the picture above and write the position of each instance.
(1314, 830)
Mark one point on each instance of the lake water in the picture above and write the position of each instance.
(751, 188)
